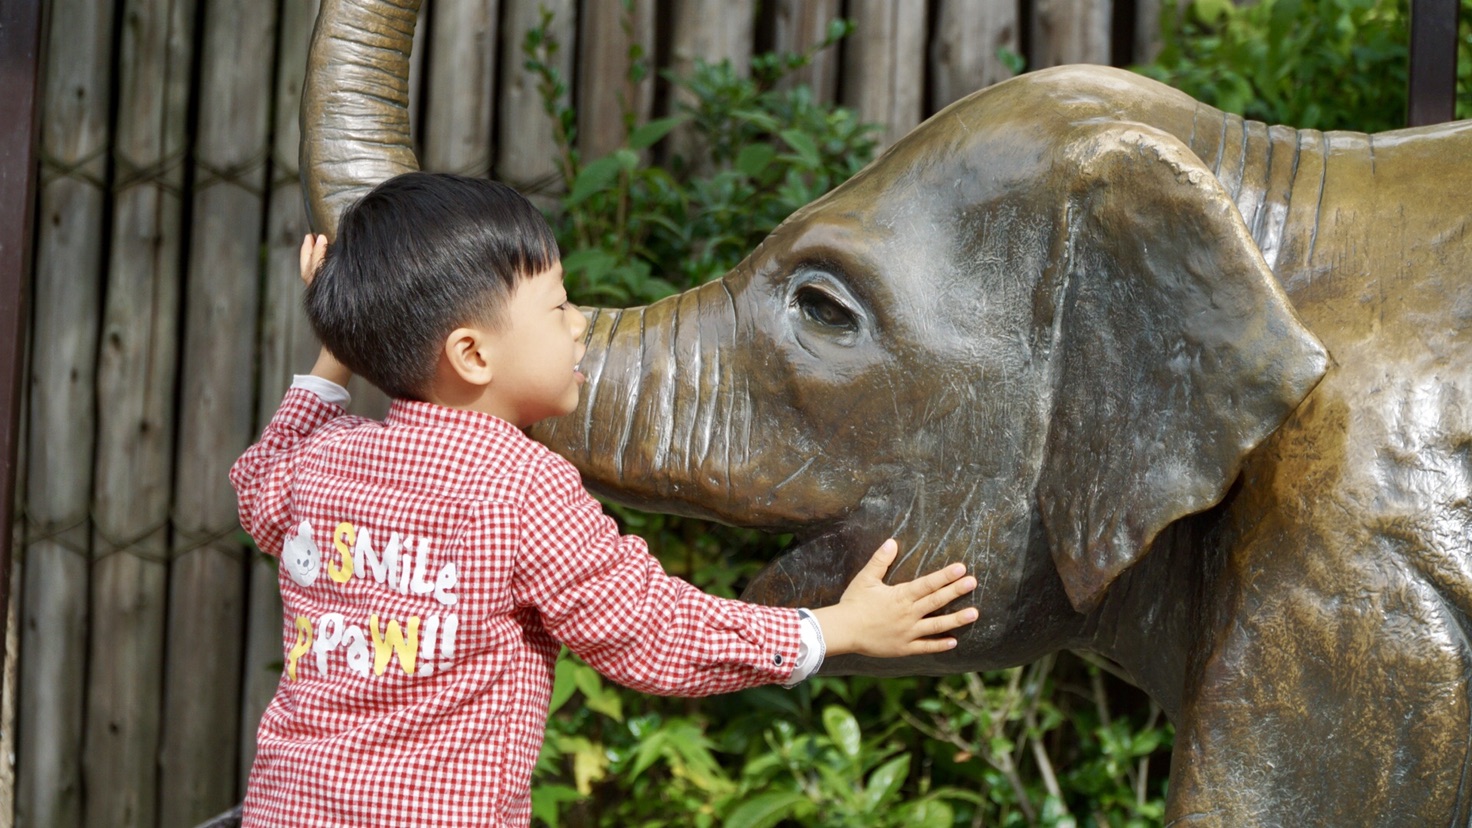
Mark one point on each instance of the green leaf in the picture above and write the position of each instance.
(885, 781)
(597, 696)
(843, 729)
(562, 685)
(757, 118)
(589, 265)
(1211, 12)
(764, 810)
(649, 134)
(754, 159)
(594, 178)
(803, 145)
(548, 799)
(1015, 63)
(930, 813)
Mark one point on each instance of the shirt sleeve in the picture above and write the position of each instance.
(262, 476)
(611, 602)
(811, 649)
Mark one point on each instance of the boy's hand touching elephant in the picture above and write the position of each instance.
(314, 250)
(875, 619)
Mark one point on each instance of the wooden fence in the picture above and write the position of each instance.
(165, 321)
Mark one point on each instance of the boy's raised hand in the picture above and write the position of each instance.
(314, 250)
(875, 619)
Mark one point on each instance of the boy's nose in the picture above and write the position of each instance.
(579, 323)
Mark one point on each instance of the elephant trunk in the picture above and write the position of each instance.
(650, 430)
(355, 104)
(659, 421)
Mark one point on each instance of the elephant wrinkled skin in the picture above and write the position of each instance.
(1183, 390)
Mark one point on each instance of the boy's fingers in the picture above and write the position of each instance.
(879, 562)
(926, 646)
(944, 623)
(314, 250)
(305, 256)
(927, 584)
(933, 601)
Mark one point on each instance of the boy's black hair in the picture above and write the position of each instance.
(418, 256)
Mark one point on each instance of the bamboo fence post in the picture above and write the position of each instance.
(885, 65)
(462, 86)
(217, 412)
(67, 304)
(1070, 31)
(607, 37)
(798, 26)
(712, 31)
(527, 153)
(287, 346)
(963, 54)
(137, 370)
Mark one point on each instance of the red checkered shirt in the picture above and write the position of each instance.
(430, 564)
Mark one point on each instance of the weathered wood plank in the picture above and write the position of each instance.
(22, 55)
(607, 35)
(526, 155)
(67, 302)
(419, 52)
(712, 31)
(884, 65)
(1147, 30)
(1070, 31)
(963, 54)
(798, 26)
(9, 691)
(462, 86)
(287, 346)
(217, 414)
(135, 401)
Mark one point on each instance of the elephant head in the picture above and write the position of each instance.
(1075, 330)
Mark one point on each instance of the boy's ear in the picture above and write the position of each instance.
(468, 351)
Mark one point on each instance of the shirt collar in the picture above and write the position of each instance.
(417, 413)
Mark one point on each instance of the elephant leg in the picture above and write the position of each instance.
(1319, 703)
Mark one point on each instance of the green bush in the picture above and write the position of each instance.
(1049, 744)
(1318, 64)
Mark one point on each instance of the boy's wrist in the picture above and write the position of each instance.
(835, 629)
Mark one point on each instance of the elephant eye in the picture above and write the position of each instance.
(821, 307)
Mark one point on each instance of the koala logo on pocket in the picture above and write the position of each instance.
(301, 557)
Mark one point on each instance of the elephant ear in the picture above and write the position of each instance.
(1176, 352)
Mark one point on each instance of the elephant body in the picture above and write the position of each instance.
(1303, 611)
(1183, 390)
(1326, 659)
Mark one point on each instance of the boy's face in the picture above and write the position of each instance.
(536, 352)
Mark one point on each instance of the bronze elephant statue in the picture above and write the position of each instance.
(1184, 390)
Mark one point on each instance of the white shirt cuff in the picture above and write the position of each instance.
(810, 648)
(330, 392)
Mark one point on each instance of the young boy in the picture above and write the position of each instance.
(433, 563)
